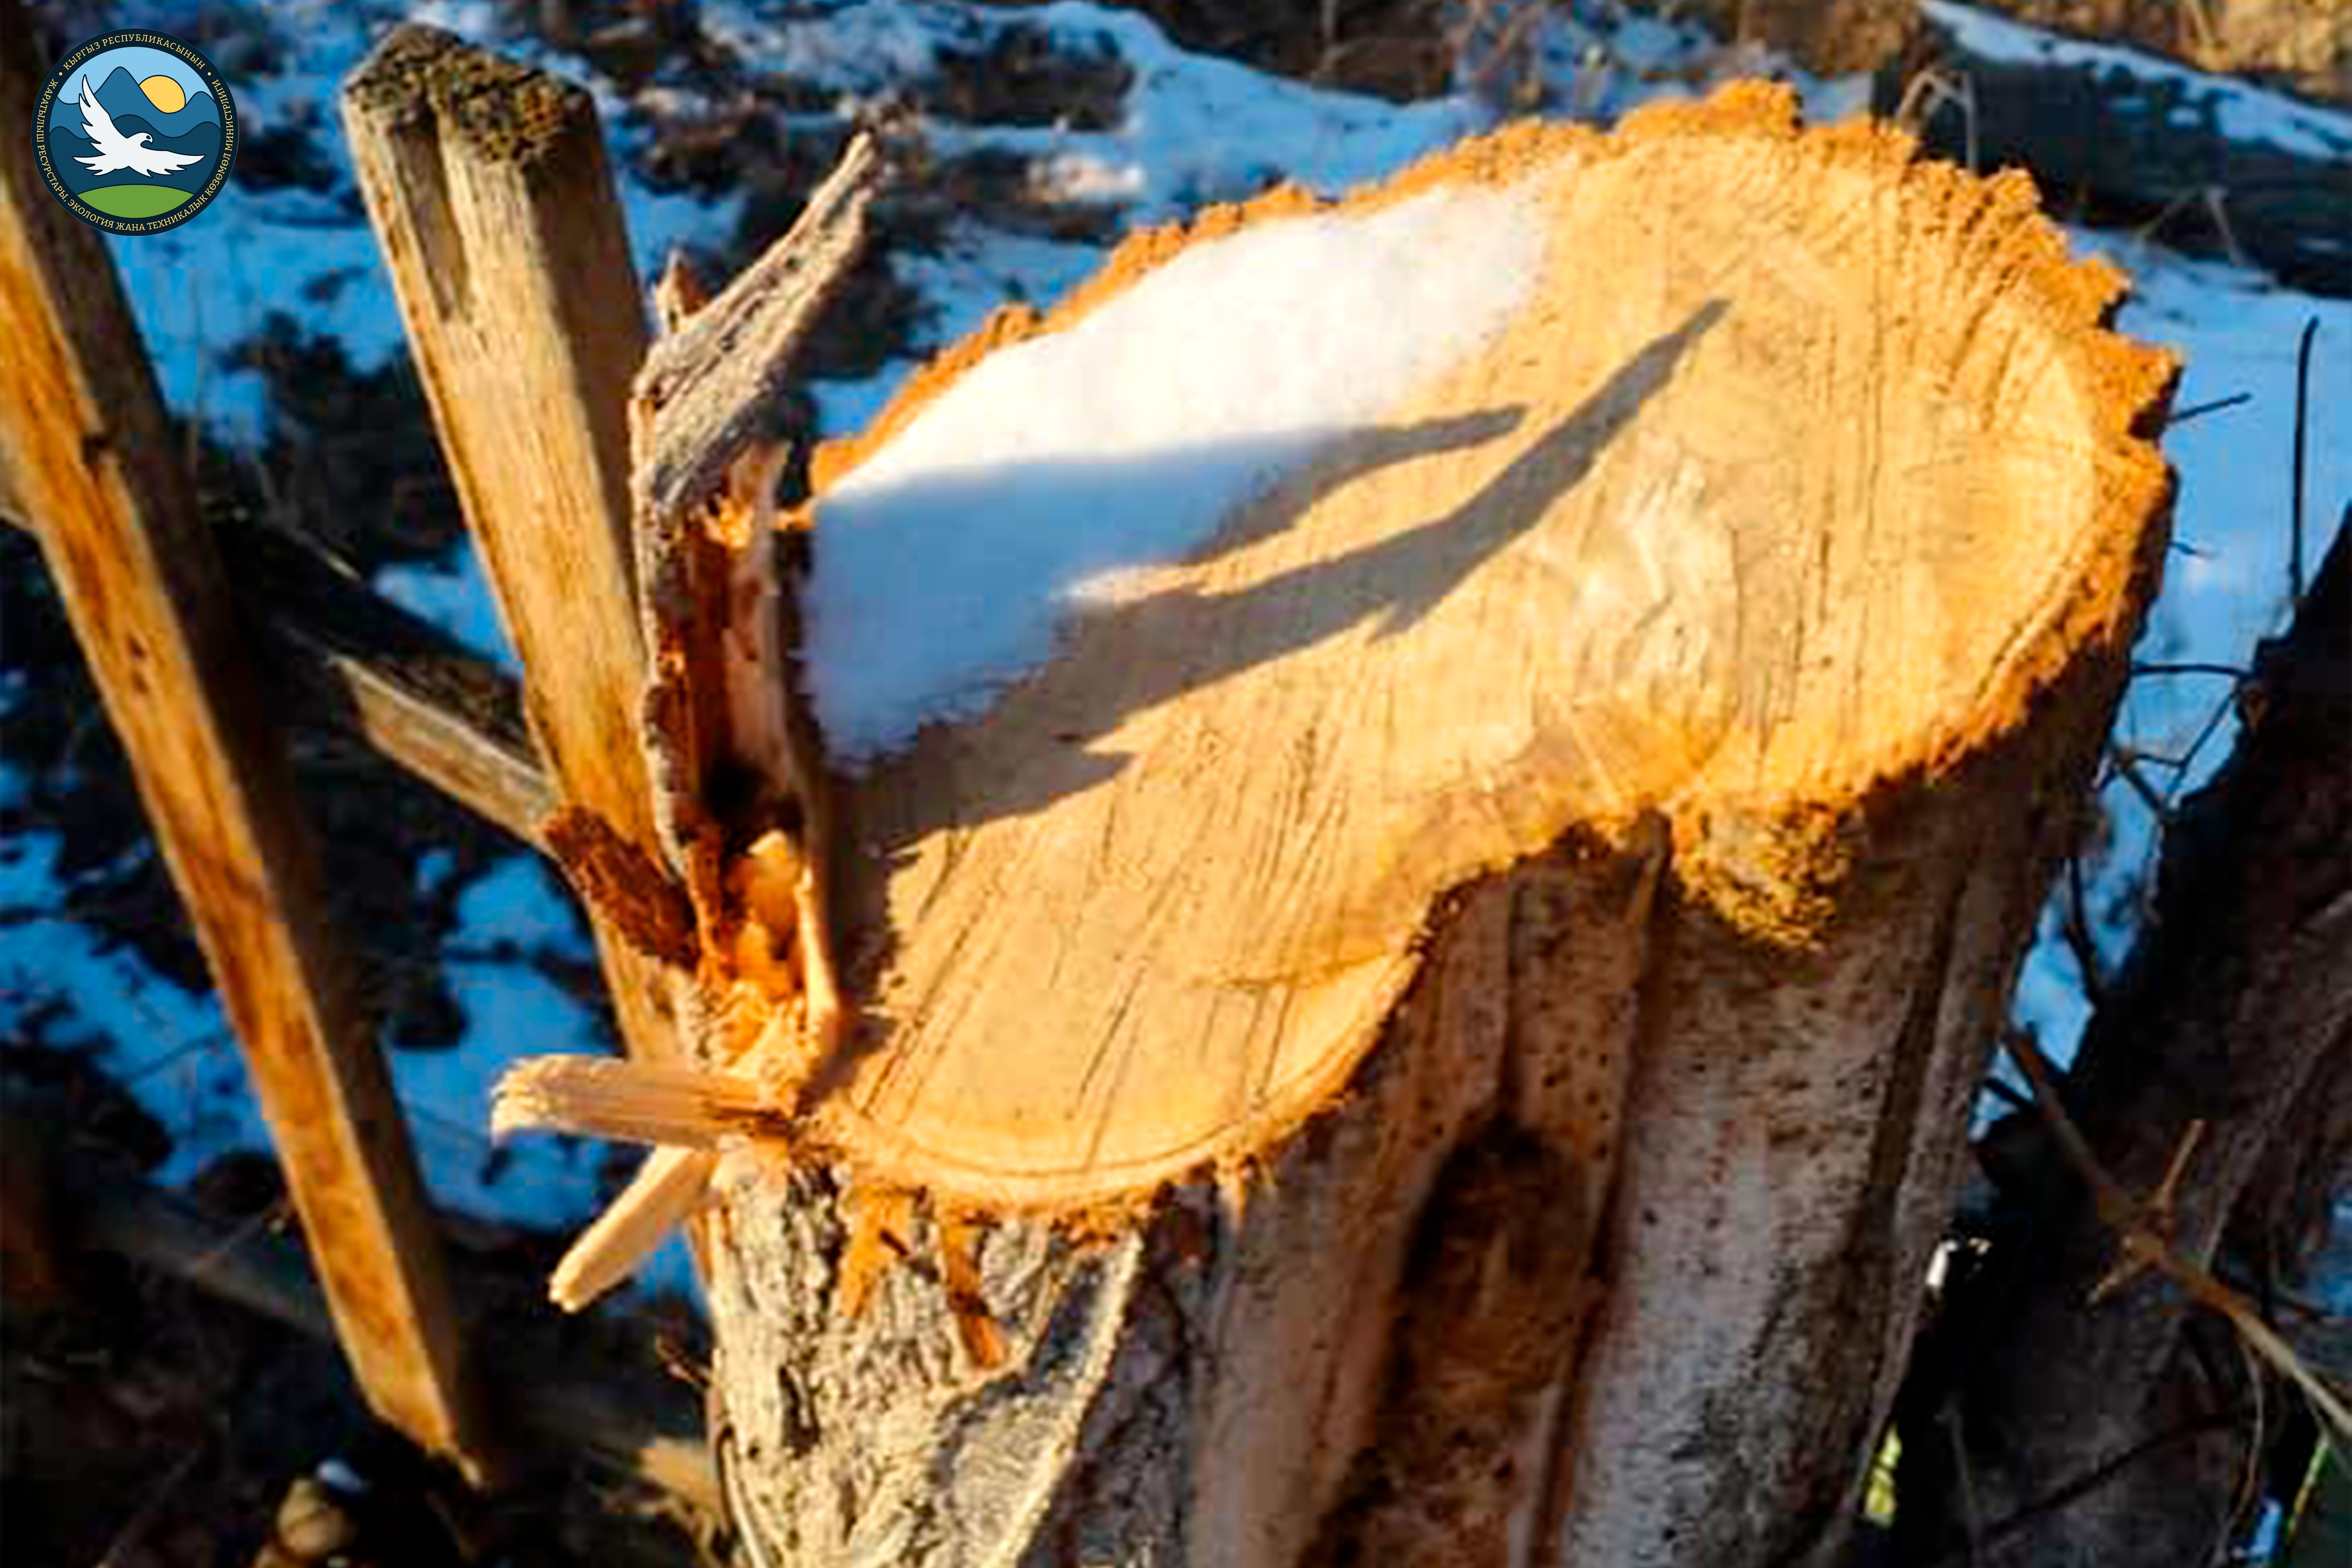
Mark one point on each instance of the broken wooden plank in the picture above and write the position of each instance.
(357, 665)
(85, 442)
(361, 665)
(488, 190)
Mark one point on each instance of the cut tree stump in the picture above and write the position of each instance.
(1439, 1027)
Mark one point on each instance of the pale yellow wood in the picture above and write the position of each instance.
(387, 679)
(1728, 517)
(489, 191)
(92, 463)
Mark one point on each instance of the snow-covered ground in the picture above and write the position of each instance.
(2226, 584)
(1194, 129)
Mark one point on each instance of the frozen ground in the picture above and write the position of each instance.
(1193, 129)
(2226, 583)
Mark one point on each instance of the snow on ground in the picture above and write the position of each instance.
(1200, 130)
(173, 1048)
(986, 519)
(2226, 580)
(1193, 129)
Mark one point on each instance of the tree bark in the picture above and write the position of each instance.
(2235, 1011)
(2122, 110)
(1440, 1030)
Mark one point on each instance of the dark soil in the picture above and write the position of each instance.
(1397, 50)
(146, 1424)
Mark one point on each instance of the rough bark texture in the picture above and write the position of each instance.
(2235, 1010)
(1795, 1138)
(1208, 1386)
(1607, 1049)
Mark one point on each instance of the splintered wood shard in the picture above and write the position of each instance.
(711, 384)
(665, 1192)
(638, 1103)
(721, 615)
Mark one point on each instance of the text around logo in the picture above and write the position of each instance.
(135, 132)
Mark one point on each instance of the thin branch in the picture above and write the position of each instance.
(2082, 1485)
(2157, 1213)
(2164, 214)
(2250, 1474)
(2127, 763)
(2216, 199)
(2302, 434)
(2211, 727)
(2075, 927)
(1933, 90)
(2141, 1242)
(2007, 1094)
(2198, 410)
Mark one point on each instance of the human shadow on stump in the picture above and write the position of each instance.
(1183, 639)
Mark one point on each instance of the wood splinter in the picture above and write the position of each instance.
(763, 1007)
(739, 915)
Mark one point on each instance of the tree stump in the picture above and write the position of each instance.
(1438, 1026)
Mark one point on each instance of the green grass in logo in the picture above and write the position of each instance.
(134, 201)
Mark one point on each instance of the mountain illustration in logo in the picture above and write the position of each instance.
(97, 151)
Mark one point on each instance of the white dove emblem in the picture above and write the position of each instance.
(116, 150)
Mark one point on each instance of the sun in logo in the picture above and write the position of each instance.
(137, 132)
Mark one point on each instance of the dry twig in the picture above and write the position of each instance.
(2143, 1247)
